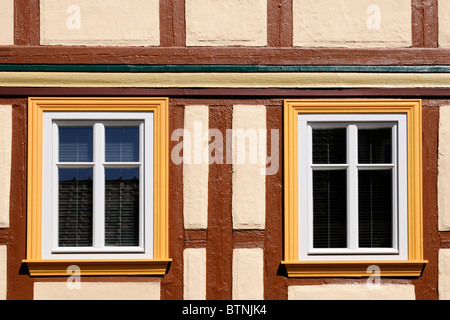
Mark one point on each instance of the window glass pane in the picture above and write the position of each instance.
(122, 206)
(375, 145)
(122, 144)
(375, 208)
(330, 208)
(329, 146)
(75, 207)
(75, 144)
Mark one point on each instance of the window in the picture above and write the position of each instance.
(99, 204)
(353, 187)
(102, 167)
(353, 200)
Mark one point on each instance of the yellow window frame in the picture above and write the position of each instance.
(43, 267)
(414, 265)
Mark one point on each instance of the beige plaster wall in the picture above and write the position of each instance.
(248, 274)
(5, 163)
(3, 271)
(97, 291)
(352, 23)
(352, 292)
(226, 23)
(100, 22)
(194, 274)
(195, 167)
(249, 163)
(7, 22)
(444, 274)
(444, 23)
(444, 169)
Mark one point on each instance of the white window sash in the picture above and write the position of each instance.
(99, 120)
(352, 122)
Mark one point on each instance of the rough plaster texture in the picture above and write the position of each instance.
(7, 22)
(352, 292)
(194, 274)
(195, 167)
(100, 22)
(248, 274)
(3, 273)
(249, 163)
(5, 163)
(444, 274)
(444, 169)
(444, 23)
(352, 23)
(97, 291)
(226, 23)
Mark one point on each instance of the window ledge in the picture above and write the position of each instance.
(97, 267)
(412, 268)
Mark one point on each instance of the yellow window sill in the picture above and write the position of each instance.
(97, 267)
(354, 268)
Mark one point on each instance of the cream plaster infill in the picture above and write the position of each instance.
(194, 274)
(3, 271)
(5, 163)
(352, 292)
(352, 23)
(444, 274)
(248, 274)
(7, 22)
(444, 169)
(249, 164)
(226, 23)
(444, 23)
(97, 290)
(195, 168)
(100, 22)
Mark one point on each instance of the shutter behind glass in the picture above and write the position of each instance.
(329, 189)
(75, 187)
(122, 144)
(75, 207)
(329, 146)
(375, 145)
(330, 208)
(375, 194)
(75, 144)
(122, 207)
(375, 208)
(122, 187)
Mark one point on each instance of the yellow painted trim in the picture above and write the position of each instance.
(36, 107)
(98, 267)
(413, 110)
(225, 80)
(291, 182)
(354, 268)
